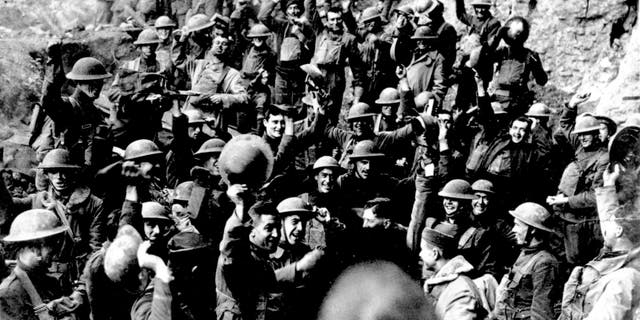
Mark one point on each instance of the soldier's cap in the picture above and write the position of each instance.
(220, 21)
(246, 159)
(611, 125)
(440, 236)
(295, 206)
(186, 242)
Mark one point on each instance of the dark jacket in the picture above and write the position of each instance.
(244, 276)
(154, 303)
(530, 290)
(427, 73)
(15, 303)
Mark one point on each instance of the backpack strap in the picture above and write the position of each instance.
(466, 236)
(39, 308)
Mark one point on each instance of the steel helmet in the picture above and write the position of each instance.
(154, 210)
(87, 69)
(480, 3)
(183, 191)
(294, 205)
(147, 36)
(58, 159)
(246, 159)
(326, 162)
(211, 146)
(164, 22)
(194, 116)
(611, 125)
(34, 224)
(359, 110)
(482, 185)
(585, 124)
(539, 109)
(369, 14)
(199, 22)
(406, 10)
(533, 215)
(389, 96)
(259, 31)
(424, 33)
(457, 189)
(518, 30)
(365, 149)
(141, 148)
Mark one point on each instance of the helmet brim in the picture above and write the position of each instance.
(585, 130)
(77, 77)
(150, 154)
(35, 235)
(459, 196)
(141, 43)
(530, 222)
(366, 156)
(60, 166)
(258, 35)
(202, 27)
(362, 116)
(384, 102)
(208, 151)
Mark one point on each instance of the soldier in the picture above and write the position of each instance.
(530, 288)
(78, 209)
(450, 290)
(366, 180)
(375, 48)
(360, 119)
(430, 13)
(28, 292)
(475, 244)
(293, 44)
(387, 119)
(516, 64)
(575, 201)
(482, 22)
(258, 69)
(295, 263)
(164, 27)
(426, 72)
(79, 124)
(158, 227)
(606, 286)
(138, 93)
(222, 94)
(334, 47)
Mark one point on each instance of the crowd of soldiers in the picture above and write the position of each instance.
(224, 181)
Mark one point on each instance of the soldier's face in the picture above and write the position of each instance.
(258, 42)
(480, 203)
(586, 139)
(91, 88)
(61, 180)
(363, 168)
(212, 164)
(611, 231)
(361, 127)
(293, 229)
(334, 21)
(370, 220)
(482, 12)
(428, 255)
(163, 33)
(220, 45)
(266, 233)
(603, 132)
(326, 180)
(40, 255)
(274, 125)
(518, 131)
(155, 229)
(147, 50)
(451, 206)
(388, 110)
(294, 10)
(194, 130)
(520, 230)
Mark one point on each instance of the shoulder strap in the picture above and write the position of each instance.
(225, 71)
(464, 238)
(39, 307)
(526, 268)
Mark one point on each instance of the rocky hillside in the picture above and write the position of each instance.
(584, 50)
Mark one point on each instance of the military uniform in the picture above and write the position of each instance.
(15, 300)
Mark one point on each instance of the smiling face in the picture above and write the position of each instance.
(274, 125)
(587, 139)
(361, 127)
(518, 131)
(482, 12)
(334, 21)
(163, 33)
(293, 11)
(266, 232)
(363, 168)
(326, 180)
(452, 207)
(258, 42)
(480, 203)
(293, 229)
(155, 229)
